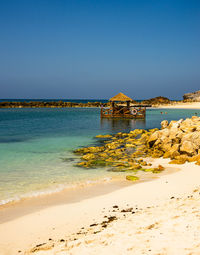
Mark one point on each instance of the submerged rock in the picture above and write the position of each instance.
(132, 178)
(104, 136)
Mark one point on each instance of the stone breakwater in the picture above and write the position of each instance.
(59, 104)
(52, 104)
(126, 152)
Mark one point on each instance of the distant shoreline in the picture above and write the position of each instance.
(49, 104)
(84, 103)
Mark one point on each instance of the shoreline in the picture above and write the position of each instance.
(61, 220)
(59, 105)
(25, 205)
(22, 207)
(31, 225)
(188, 105)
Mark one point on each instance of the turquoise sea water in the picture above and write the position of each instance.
(36, 146)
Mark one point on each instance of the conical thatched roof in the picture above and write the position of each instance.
(121, 97)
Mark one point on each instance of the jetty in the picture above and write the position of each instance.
(123, 106)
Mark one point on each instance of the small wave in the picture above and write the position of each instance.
(58, 188)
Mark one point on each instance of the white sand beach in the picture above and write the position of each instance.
(192, 105)
(163, 219)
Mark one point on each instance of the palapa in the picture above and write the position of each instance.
(121, 98)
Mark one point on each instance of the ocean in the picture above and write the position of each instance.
(36, 146)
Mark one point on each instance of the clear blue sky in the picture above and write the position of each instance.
(95, 49)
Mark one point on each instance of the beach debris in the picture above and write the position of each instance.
(42, 247)
(127, 210)
(93, 225)
(115, 206)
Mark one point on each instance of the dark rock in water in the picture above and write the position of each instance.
(68, 159)
(103, 136)
(195, 96)
(132, 178)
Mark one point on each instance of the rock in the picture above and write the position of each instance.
(89, 150)
(166, 147)
(132, 178)
(157, 170)
(148, 169)
(112, 145)
(177, 161)
(152, 139)
(134, 166)
(172, 152)
(164, 133)
(161, 168)
(104, 136)
(103, 155)
(193, 137)
(137, 132)
(188, 147)
(194, 158)
(88, 156)
(198, 162)
(174, 124)
(98, 163)
(157, 153)
(157, 101)
(129, 145)
(82, 164)
(178, 140)
(194, 96)
(143, 163)
(164, 124)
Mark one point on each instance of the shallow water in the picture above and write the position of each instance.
(36, 146)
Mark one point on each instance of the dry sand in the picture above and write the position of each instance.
(164, 220)
(192, 105)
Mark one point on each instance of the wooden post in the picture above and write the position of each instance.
(101, 112)
(113, 106)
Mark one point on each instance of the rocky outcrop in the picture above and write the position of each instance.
(120, 153)
(195, 96)
(179, 140)
(62, 104)
(50, 104)
(157, 101)
(125, 152)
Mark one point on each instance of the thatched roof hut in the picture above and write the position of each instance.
(121, 98)
(121, 106)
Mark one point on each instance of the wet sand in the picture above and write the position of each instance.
(56, 216)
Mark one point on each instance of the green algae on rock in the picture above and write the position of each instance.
(132, 178)
(123, 152)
